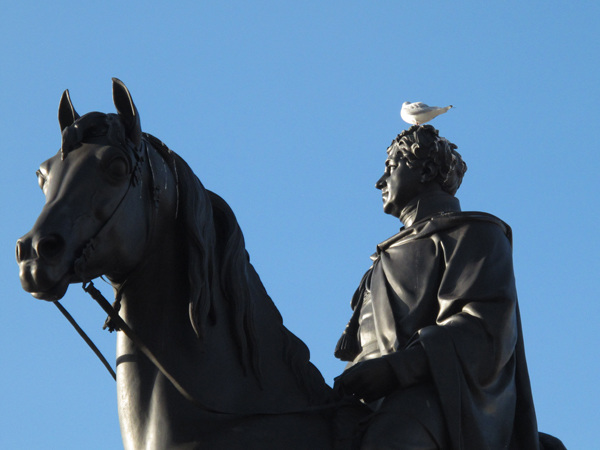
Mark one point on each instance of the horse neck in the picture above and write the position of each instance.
(152, 300)
(154, 305)
(210, 369)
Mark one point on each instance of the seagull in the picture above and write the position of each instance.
(418, 113)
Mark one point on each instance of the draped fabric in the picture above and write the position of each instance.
(446, 284)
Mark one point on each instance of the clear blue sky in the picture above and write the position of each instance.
(286, 109)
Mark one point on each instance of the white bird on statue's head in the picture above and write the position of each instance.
(418, 113)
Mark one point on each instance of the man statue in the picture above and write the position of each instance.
(434, 343)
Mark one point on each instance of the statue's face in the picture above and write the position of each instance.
(399, 184)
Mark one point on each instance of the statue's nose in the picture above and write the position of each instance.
(49, 248)
(381, 182)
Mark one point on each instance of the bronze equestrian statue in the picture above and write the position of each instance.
(203, 358)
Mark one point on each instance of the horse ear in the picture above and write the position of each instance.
(66, 113)
(127, 111)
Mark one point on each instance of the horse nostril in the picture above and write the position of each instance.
(22, 251)
(50, 247)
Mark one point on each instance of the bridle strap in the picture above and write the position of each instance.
(133, 181)
(121, 325)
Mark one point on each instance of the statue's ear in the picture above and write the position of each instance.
(429, 171)
(66, 113)
(127, 111)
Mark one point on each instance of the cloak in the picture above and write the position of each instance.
(446, 284)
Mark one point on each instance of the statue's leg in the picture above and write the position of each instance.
(410, 419)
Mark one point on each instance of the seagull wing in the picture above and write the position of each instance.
(417, 106)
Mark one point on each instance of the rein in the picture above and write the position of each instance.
(86, 338)
(121, 325)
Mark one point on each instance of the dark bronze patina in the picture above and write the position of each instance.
(435, 339)
(434, 342)
(120, 203)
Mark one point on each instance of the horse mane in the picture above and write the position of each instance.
(217, 259)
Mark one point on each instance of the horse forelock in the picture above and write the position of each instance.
(94, 124)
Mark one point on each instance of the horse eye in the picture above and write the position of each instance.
(118, 168)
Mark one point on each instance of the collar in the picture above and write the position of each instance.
(422, 207)
(427, 205)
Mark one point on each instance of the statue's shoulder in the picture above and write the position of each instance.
(446, 223)
(477, 224)
(468, 217)
(477, 219)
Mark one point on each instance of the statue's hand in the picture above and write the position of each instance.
(368, 380)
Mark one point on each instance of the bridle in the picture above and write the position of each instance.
(134, 180)
(116, 322)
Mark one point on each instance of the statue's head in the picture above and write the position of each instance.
(419, 161)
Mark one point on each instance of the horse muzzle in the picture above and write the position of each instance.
(41, 267)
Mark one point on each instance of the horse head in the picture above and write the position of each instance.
(93, 187)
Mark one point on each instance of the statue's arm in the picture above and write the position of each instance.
(375, 378)
(476, 328)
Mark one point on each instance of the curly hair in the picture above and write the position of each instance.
(421, 143)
